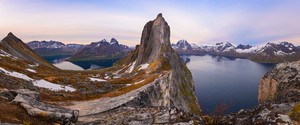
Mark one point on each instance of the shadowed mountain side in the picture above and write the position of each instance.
(14, 46)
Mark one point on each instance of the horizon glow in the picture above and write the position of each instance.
(252, 22)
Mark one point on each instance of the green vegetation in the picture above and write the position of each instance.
(295, 112)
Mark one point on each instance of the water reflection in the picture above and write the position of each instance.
(67, 66)
(60, 62)
(95, 64)
(229, 80)
(223, 58)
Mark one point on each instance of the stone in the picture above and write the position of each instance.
(29, 100)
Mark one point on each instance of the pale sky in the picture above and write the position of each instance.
(198, 21)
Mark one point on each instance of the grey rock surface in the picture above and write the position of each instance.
(281, 84)
(29, 100)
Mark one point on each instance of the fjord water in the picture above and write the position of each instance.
(60, 62)
(217, 79)
(232, 81)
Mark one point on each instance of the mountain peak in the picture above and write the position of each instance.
(114, 41)
(155, 38)
(10, 35)
(155, 50)
(159, 15)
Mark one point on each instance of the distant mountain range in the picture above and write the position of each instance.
(54, 48)
(270, 52)
(94, 51)
(101, 50)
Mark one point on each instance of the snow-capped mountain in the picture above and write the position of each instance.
(182, 44)
(222, 47)
(52, 48)
(281, 49)
(270, 52)
(102, 50)
(51, 45)
(183, 47)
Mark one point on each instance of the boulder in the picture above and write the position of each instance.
(30, 101)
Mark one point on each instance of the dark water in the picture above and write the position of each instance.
(232, 81)
(60, 62)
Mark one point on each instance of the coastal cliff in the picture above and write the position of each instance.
(281, 84)
(278, 96)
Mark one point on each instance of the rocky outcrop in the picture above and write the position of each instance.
(29, 100)
(268, 114)
(278, 94)
(281, 84)
(155, 50)
(140, 116)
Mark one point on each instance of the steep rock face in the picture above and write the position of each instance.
(177, 90)
(281, 84)
(14, 46)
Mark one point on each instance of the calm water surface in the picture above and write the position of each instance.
(60, 62)
(232, 81)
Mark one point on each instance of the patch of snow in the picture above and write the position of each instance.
(281, 53)
(55, 87)
(31, 70)
(285, 118)
(106, 77)
(117, 76)
(4, 54)
(118, 71)
(144, 66)
(130, 69)
(35, 65)
(290, 48)
(40, 83)
(16, 74)
(139, 82)
(250, 50)
(97, 79)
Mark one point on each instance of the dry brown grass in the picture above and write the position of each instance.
(12, 113)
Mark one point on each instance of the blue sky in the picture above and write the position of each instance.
(198, 21)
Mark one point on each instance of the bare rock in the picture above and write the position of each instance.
(281, 84)
(29, 100)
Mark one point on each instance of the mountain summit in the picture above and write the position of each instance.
(16, 47)
(156, 53)
(155, 40)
